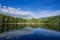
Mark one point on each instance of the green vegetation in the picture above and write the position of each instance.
(8, 23)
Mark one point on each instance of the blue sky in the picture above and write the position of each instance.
(36, 8)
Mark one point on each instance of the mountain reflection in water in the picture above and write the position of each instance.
(31, 34)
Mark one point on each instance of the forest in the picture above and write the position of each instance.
(8, 23)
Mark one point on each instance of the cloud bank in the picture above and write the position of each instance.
(48, 13)
(17, 12)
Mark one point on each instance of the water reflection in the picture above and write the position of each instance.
(31, 34)
(9, 27)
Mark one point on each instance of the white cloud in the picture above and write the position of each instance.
(15, 11)
(18, 12)
(48, 13)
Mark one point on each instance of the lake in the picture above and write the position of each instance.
(29, 33)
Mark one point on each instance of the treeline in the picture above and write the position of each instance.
(51, 22)
(8, 23)
(53, 19)
(9, 19)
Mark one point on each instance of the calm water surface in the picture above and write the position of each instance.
(30, 34)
